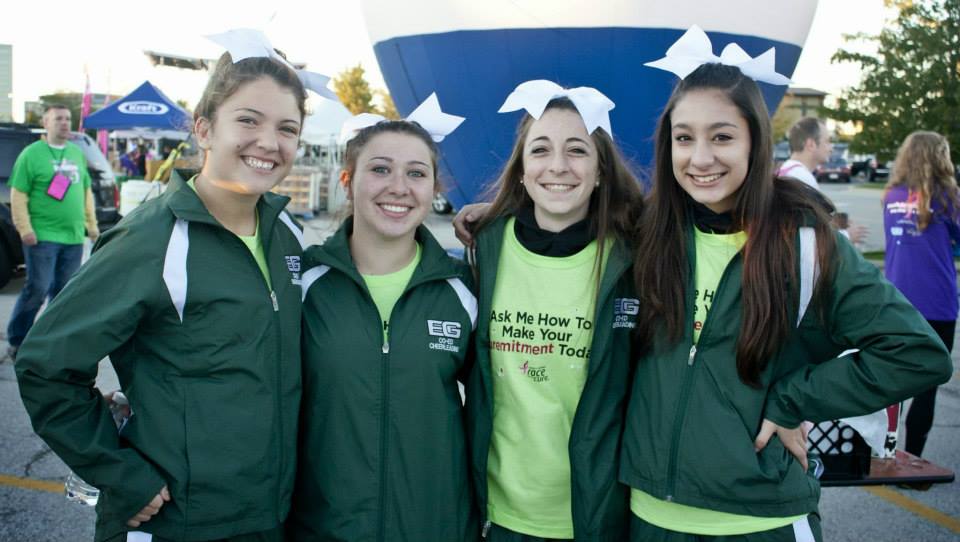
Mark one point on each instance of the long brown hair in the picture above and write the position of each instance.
(923, 165)
(613, 205)
(770, 213)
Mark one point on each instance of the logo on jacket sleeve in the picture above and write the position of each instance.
(293, 265)
(446, 333)
(625, 310)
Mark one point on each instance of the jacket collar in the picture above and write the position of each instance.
(435, 263)
(185, 204)
(489, 243)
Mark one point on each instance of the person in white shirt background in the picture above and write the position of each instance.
(810, 146)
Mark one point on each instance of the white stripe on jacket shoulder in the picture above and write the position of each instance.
(311, 276)
(175, 265)
(297, 232)
(467, 299)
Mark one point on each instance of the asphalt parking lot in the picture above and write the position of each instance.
(32, 506)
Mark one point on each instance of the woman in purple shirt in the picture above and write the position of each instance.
(921, 221)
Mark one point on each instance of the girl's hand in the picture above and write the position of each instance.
(466, 219)
(151, 509)
(794, 440)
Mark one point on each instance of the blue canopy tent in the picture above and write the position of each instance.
(146, 107)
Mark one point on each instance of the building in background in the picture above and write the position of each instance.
(6, 82)
(32, 110)
(798, 102)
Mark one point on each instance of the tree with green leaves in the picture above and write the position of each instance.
(387, 108)
(911, 83)
(353, 90)
(356, 95)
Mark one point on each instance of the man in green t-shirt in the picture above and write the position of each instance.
(52, 207)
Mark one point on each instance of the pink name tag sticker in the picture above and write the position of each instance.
(58, 186)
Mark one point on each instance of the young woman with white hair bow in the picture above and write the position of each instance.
(548, 391)
(747, 297)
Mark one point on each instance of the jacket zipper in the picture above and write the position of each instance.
(384, 427)
(385, 388)
(672, 465)
(385, 405)
(275, 304)
(279, 375)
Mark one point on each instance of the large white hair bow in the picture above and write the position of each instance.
(593, 106)
(428, 115)
(694, 49)
(244, 43)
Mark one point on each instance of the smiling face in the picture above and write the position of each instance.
(559, 168)
(252, 141)
(710, 148)
(391, 186)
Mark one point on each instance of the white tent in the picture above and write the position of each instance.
(147, 133)
(322, 126)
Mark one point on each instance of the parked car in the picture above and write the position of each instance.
(440, 205)
(870, 169)
(103, 183)
(781, 153)
(11, 253)
(14, 137)
(836, 169)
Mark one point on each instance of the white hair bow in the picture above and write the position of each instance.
(694, 49)
(244, 43)
(428, 115)
(593, 106)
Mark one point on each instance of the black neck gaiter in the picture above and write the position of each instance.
(547, 243)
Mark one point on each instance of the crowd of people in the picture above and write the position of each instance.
(607, 365)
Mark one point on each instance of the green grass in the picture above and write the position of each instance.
(877, 255)
(872, 186)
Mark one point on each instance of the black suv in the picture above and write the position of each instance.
(14, 138)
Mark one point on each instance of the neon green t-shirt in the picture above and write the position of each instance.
(387, 289)
(540, 337)
(714, 253)
(52, 220)
(255, 246)
(252, 242)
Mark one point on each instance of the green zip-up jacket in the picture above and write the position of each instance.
(600, 503)
(207, 354)
(692, 422)
(383, 453)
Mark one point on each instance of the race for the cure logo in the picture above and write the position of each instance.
(439, 328)
(536, 374)
(143, 107)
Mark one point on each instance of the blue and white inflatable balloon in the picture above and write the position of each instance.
(472, 54)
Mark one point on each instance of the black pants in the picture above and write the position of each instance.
(502, 534)
(641, 531)
(273, 535)
(920, 416)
